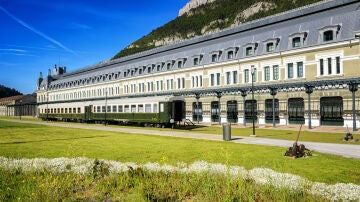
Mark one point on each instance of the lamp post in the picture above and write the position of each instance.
(253, 100)
(105, 106)
(20, 108)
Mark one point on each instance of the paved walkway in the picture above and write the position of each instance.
(350, 151)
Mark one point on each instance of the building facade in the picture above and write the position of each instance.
(19, 105)
(297, 67)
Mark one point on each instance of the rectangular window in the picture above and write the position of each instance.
(133, 108)
(161, 85)
(120, 108)
(200, 81)
(196, 61)
(249, 51)
(270, 47)
(218, 79)
(108, 109)
(183, 82)
(212, 79)
(235, 77)
(179, 64)
(329, 65)
(337, 65)
(193, 81)
(275, 72)
(300, 69)
(155, 108)
(126, 108)
(290, 70)
(114, 109)
(296, 42)
(267, 73)
(103, 108)
(178, 83)
(228, 78)
(148, 108)
(321, 66)
(214, 58)
(230, 55)
(140, 108)
(254, 77)
(168, 66)
(98, 109)
(246, 76)
(172, 83)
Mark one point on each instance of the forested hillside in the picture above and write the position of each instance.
(7, 92)
(208, 18)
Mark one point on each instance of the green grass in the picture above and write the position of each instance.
(138, 185)
(30, 141)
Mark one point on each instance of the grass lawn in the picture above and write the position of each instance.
(30, 141)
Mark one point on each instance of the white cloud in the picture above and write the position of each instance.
(46, 37)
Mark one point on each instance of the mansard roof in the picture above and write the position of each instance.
(307, 19)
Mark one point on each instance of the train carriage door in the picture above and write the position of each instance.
(88, 112)
(178, 110)
(232, 111)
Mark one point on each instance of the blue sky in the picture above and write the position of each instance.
(37, 34)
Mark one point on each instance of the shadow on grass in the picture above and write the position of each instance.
(31, 141)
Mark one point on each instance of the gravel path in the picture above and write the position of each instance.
(350, 151)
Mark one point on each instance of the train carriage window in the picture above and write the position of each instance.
(70, 110)
(148, 108)
(94, 108)
(108, 108)
(66, 110)
(155, 108)
(126, 108)
(98, 109)
(79, 110)
(133, 108)
(120, 108)
(162, 107)
(141, 108)
(102, 108)
(74, 110)
(114, 108)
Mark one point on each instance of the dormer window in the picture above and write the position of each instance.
(296, 42)
(230, 55)
(149, 69)
(329, 33)
(250, 48)
(271, 44)
(168, 66)
(158, 67)
(297, 39)
(249, 51)
(270, 47)
(197, 59)
(140, 71)
(214, 58)
(179, 64)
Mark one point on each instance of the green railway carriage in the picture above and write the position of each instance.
(159, 111)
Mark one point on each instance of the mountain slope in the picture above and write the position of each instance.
(208, 18)
(7, 92)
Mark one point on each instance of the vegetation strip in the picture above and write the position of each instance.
(262, 176)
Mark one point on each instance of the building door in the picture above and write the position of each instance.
(215, 111)
(250, 110)
(296, 111)
(331, 111)
(232, 111)
(197, 112)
